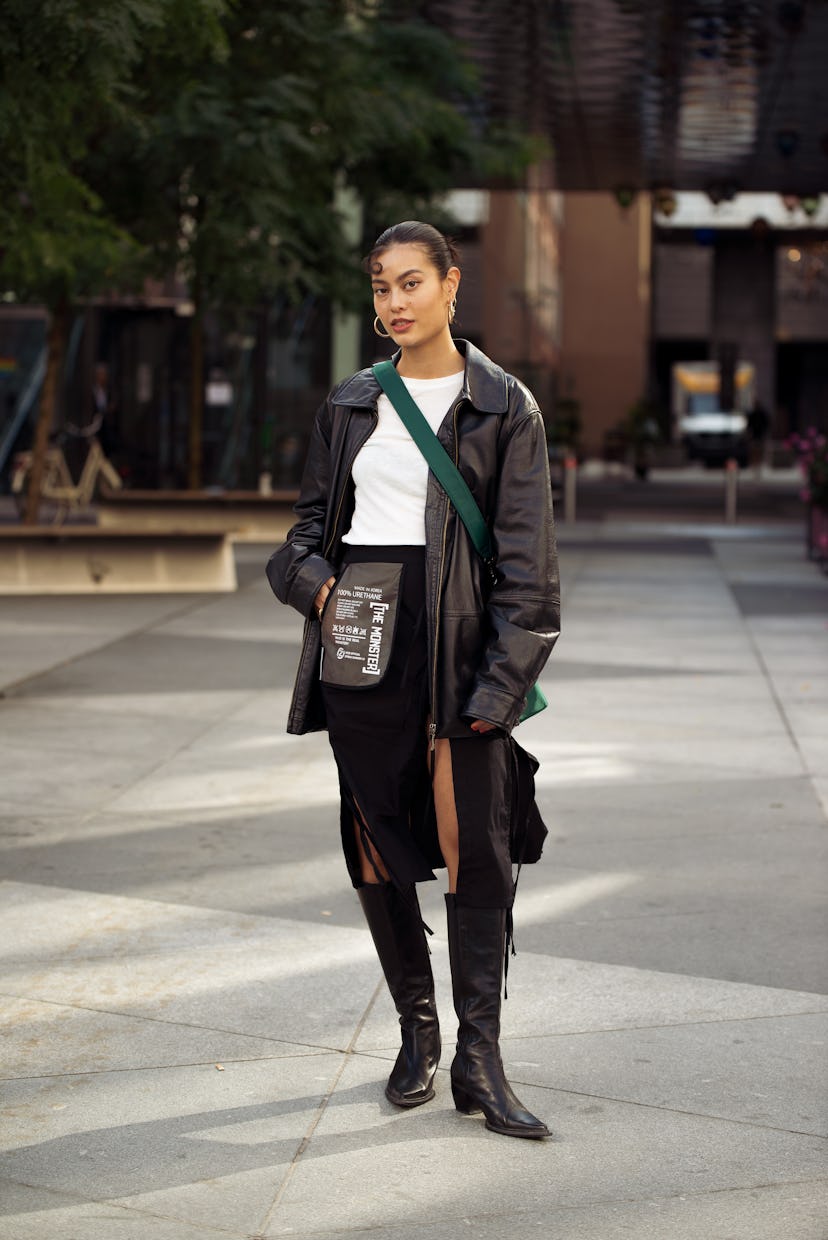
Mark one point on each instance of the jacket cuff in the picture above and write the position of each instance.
(494, 706)
(315, 572)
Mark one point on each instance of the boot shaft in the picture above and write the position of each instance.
(396, 926)
(477, 939)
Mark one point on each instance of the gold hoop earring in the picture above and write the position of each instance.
(383, 335)
(452, 309)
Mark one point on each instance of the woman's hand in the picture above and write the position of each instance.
(322, 596)
(480, 725)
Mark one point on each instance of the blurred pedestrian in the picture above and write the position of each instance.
(428, 656)
(104, 420)
(758, 425)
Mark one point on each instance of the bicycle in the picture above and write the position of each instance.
(57, 484)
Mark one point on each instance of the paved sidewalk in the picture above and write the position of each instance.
(195, 1035)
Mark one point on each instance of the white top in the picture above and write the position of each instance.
(391, 473)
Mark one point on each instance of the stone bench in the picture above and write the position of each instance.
(246, 516)
(84, 559)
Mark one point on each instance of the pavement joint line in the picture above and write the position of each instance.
(347, 1055)
(652, 1106)
(513, 1213)
(173, 1024)
(679, 1024)
(647, 1106)
(11, 689)
(669, 1110)
(85, 1200)
(161, 1067)
(308, 1050)
(780, 707)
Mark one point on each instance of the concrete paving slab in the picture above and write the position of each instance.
(207, 1147)
(786, 598)
(625, 645)
(595, 748)
(34, 1213)
(761, 1213)
(142, 708)
(692, 943)
(29, 727)
(370, 1169)
(253, 616)
(40, 1039)
(62, 782)
(761, 1071)
(728, 809)
(821, 790)
(814, 750)
(236, 768)
(252, 861)
(38, 634)
(683, 863)
(678, 909)
(554, 997)
(145, 663)
(186, 966)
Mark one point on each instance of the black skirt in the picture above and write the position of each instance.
(379, 737)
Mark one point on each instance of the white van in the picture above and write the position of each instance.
(709, 433)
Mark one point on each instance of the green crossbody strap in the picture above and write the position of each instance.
(439, 461)
(452, 482)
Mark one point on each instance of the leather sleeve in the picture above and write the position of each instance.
(298, 570)
(524, 606)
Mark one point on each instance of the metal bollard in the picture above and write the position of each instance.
(570, 482)
(731, 490)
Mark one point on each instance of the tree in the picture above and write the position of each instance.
(67, 72)
(207, 136)
(233, 182)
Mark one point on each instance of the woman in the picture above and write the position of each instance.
(429, 775)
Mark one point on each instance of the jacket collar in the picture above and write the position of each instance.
(484, 383)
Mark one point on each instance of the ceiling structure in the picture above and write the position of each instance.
(715, 95)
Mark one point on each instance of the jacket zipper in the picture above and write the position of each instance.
(432, 727)
(344, 486)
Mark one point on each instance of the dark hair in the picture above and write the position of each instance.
(439, 249)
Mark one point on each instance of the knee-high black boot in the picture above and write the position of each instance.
(396, 927)
(477, 939)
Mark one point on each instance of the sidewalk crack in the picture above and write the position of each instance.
(347, 1055)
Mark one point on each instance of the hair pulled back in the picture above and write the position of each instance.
(439, 249)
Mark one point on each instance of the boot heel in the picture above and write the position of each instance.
(463, 1101)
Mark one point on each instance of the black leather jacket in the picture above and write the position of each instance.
(487, 644)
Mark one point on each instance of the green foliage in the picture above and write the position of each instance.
(206, 136)
(234, 182)
(65, 69)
